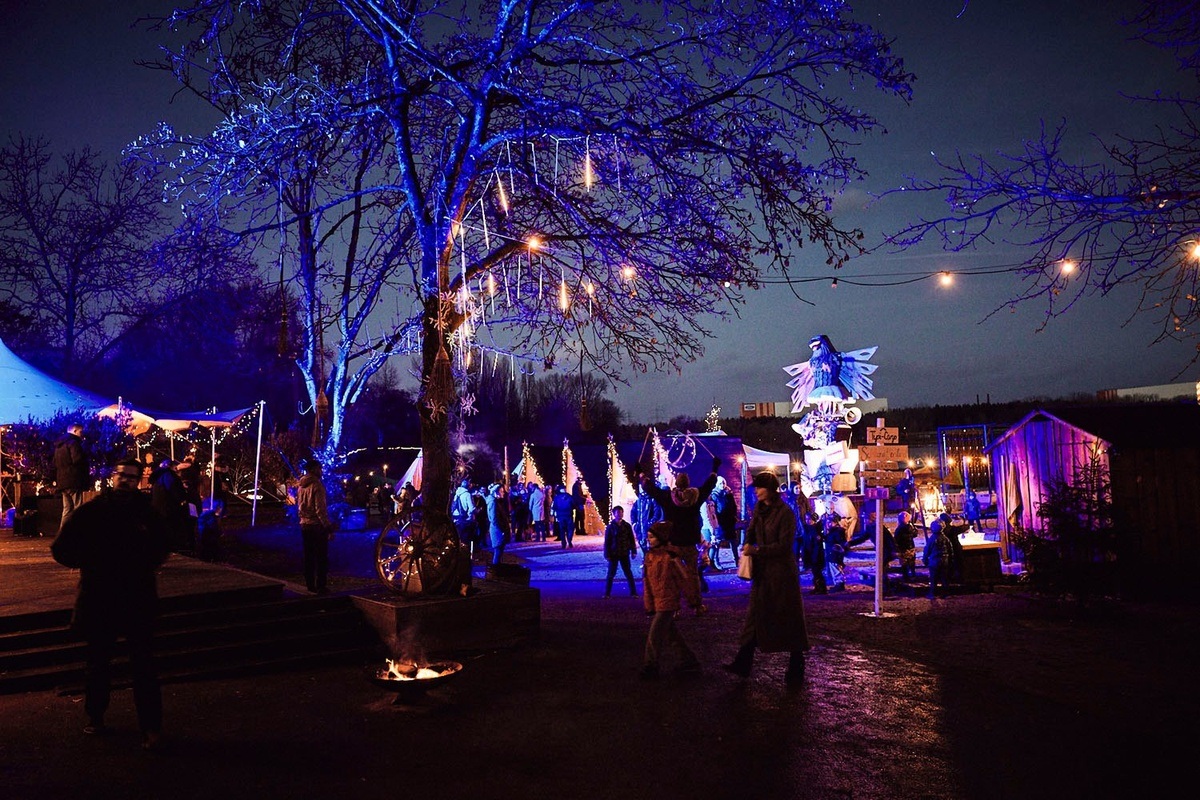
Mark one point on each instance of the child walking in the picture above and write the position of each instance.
(619, 547)
(666, 578)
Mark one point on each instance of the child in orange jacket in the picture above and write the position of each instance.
(666, 579)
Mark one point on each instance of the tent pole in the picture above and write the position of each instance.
(212, 471)
(257, 462)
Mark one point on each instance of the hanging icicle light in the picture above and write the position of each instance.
(589, 176)
(563, 297)
(501, 195)
(591, 292)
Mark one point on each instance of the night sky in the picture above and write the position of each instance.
(987, 75)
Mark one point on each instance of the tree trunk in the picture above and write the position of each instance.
(437, 470)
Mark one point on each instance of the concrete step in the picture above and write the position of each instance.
(203, 641)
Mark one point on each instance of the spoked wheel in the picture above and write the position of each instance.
(412, 560)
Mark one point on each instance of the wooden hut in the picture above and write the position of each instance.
(1151, 456)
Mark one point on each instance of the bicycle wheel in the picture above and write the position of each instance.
(413, 560)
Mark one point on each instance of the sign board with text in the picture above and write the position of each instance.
(883, 436)
(876, 493)
(876, 454)
(882, 477)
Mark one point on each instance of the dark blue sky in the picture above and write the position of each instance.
(986, 76)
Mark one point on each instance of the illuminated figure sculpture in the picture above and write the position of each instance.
(830, 380)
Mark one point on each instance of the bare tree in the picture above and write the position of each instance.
(76, 242)
(1131, 218)
(565, 181)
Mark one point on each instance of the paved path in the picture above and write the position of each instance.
(979, 696)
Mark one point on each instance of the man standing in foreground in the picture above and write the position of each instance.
(315, 528)
(71, 469)
(117, 542)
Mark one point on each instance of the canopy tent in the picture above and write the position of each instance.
(27, 393)
(177, 422)
(413, 473)
(759, 460)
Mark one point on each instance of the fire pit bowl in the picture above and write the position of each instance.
(410, 681)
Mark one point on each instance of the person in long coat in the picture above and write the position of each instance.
(775, 620)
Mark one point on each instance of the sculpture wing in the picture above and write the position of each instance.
(854, 372)
(801, 384)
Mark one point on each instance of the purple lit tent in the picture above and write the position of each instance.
(1149, 455)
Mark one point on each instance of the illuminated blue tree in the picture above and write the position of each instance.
(531, 183)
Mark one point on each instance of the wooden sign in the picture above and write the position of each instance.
(876, 493)
(883, 436)
(883, 452)
(882, 477)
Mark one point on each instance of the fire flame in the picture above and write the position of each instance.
(403, 671)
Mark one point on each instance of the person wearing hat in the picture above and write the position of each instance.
(117, 542)
(775, 619)
(315, 528)
(945, 524)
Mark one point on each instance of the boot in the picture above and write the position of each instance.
(742, 662)
(795, 671)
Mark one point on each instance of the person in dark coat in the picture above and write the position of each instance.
(117, 542)
(775, 620)
(499, 520)
(906, 545)
(168, 496)
(579, 500)
(945, 523)
(939, 558)
(681, 507)
(564, 516)
(71, 471)
(619, 547)
(813, 551)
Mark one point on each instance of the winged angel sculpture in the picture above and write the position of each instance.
(829, 380)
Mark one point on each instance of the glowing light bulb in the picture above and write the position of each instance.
(945, 278)
(1067, 267)
(628, 273)
(533, 243)
(1196, 250)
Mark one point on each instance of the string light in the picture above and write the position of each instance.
(945, 278)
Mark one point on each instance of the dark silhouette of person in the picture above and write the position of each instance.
(117, 542)
(71, 470)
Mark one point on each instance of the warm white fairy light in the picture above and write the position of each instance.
(1196, 251)
(945, 278)
(1067, 267)
(501, 195)
(628, 272)
(589, 176)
